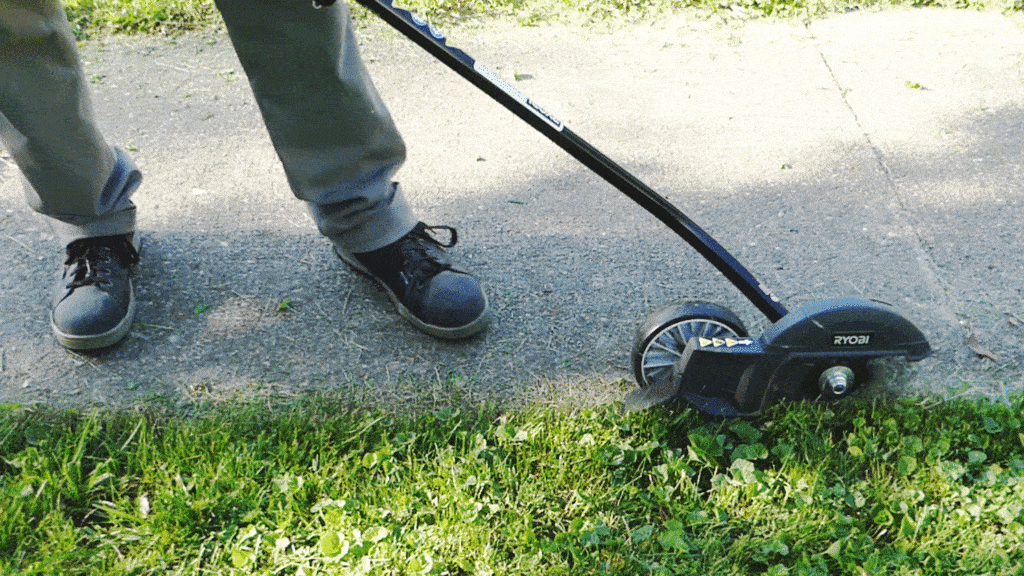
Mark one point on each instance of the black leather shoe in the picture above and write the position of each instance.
(94, 303)
(418, 277)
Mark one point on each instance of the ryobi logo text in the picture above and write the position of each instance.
(851, 339)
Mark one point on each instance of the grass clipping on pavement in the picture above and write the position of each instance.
(317, 488)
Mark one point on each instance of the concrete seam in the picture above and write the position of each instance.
(946, 303)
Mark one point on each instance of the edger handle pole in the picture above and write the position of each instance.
(431, 40)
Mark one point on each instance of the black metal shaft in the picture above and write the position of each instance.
(431, 40)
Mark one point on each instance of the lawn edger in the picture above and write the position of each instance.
(700, 352)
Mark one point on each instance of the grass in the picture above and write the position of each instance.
(92, 17)
(319, 488)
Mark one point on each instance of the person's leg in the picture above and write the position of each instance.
(340, 150)
(337, 142)
(72, 176)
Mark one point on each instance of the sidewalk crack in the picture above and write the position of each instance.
(943, 291)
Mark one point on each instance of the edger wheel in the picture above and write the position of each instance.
(661, 339)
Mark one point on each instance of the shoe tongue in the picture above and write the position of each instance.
(77, 249)
(422, 261)
(84, 272)
(105, 247)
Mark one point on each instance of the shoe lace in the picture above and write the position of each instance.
(91, 259)
(425, 232)
(421, 254)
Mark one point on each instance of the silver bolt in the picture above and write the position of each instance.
(838, 380)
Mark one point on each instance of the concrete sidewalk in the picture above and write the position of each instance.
(869, 154)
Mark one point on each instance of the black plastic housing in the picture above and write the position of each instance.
(742, 376)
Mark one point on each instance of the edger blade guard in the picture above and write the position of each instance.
(821, 351)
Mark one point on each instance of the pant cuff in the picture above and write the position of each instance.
(388, 225)
(122, 222)
(117, 211)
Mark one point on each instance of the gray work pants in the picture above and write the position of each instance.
(336, 140)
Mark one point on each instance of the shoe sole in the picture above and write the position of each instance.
(110, 337)
(445, 333)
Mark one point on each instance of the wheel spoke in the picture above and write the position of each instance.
(682, 333)
(666, 348)
(656, 363)
(672, 348)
